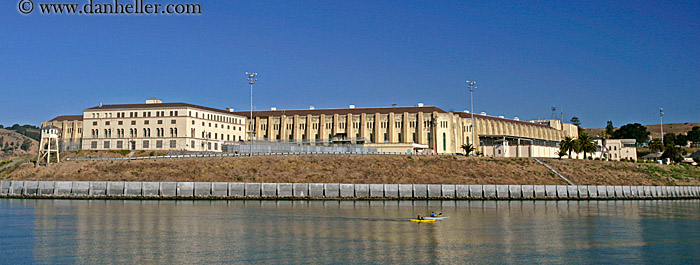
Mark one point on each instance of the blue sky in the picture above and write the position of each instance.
(616, 60)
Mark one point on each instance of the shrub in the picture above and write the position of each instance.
(121, 152)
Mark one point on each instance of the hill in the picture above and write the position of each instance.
(364, 169)
(13, 144)
(30, 131)
(654, 129)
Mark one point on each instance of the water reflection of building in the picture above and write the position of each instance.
(74, 231)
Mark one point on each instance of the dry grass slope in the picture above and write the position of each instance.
(364, 169)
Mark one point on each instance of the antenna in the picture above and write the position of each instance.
(554, 113)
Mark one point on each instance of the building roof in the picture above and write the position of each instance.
(344, 111)
(696, 154)
(486, 117)
(158, 105)
(68, 118)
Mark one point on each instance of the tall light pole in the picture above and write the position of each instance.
(472, 85)
(252, 77)
(661, 116)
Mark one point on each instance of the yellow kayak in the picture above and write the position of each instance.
(422, 221)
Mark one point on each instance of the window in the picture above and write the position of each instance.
(159, 144)
(192, 143)
(145, 144)
(93, 144)
(120, 123)
(106, 144)
(160, 121)
(172, 121)
(133, 122)
(173, 143)
(120, 144)
(444, 141)
(145, 122)
(94, 123)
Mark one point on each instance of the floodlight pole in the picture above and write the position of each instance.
(472, 85)
(252, 77)
(661, 116)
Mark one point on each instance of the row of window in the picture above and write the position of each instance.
(133, 133)
(220, 118)
(146, 144)
(342, 126)
(216, 125)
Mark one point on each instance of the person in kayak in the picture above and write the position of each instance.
(420, 217)
(432, 214)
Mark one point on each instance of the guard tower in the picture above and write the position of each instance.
(48, 145)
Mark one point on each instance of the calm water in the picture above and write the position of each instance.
(94, 232)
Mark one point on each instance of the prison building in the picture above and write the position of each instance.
(407, 130)
(160, 126)
(71, 131)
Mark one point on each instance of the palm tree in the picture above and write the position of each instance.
(567, 145)
(468, 148)
(585, 144)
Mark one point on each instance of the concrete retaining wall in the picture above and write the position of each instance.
(225, 190)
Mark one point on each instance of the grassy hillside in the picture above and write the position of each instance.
(13, 144)
(365, 169)
(654, 129)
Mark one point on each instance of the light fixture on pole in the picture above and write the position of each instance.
(472, 85)
(661, 117)
(252, 77)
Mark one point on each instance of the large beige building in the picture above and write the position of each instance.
(409, 129)
(160, 126)
(180, 126)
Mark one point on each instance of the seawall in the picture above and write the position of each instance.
(333, 191)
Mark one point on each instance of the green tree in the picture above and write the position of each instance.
(694, 135)
(561, 153)
(468, 149)
(656, 146)
(610, 129)
(681, 140)
(575, 121)
(632, 131)
(26, 144)
(586, 144)
(567, 145)
(670, 139)
(673, 153)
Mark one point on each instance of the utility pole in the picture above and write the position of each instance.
(472, 85)
(252, 77)
(661, 116)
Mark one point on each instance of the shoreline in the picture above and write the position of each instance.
(332, 191)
